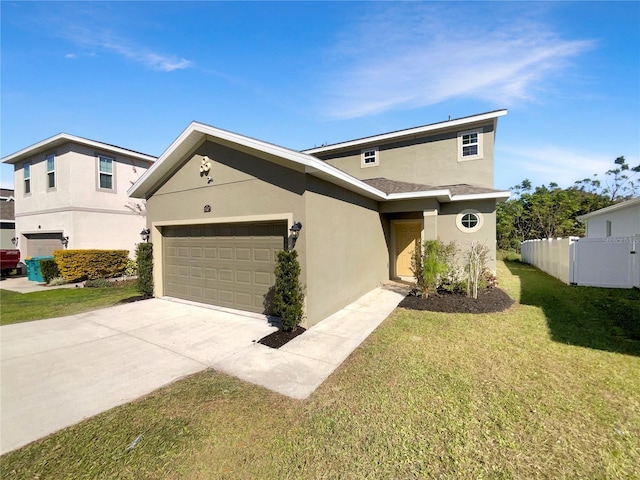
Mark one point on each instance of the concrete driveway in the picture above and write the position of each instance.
(57, 372)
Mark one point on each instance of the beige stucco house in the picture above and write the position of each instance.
(619, 220)
(71, 192)
(220, 205)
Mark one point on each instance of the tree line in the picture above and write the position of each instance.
(549, 211)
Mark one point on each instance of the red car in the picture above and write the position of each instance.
(9, 260)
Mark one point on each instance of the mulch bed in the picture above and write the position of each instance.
(137, 298)
(488, 301)
(281, 337)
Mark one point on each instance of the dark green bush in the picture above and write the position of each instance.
(49, 269)
(98, 283)
(435, 267)
(288, 296)
(144, 259)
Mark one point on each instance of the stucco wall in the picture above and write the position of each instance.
(431, 160)
(244, 188)
(76, 181)
(347, 251)
(624, 223)
(85, 230)
(448, 231)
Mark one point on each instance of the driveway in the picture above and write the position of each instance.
(57, 372)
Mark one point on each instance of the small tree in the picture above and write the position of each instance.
(144, 258)
(476, 260)
(288, 296)
(434, 266)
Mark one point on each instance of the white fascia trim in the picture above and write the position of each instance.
(609, 209)
(409, 132)
(445, 194)
(65, 137)
(310, 163)
(481, 196)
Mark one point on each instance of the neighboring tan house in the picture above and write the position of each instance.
(219, 205)
(619, 220)
(72, 193)
(7, 219)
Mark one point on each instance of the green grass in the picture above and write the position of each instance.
(428, 395)
(58, 302)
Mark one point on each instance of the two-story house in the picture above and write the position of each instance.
(220, 205)
(71, 192)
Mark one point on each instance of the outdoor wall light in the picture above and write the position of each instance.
(145, 234)
(65, 241)
(14, 240)
(295, 230)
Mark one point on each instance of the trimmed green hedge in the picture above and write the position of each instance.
(49, 269)
(77, 265)
(144, 258)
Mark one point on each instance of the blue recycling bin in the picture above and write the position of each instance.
(34, 274)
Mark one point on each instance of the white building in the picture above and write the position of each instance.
(71, 192)
(619, 220)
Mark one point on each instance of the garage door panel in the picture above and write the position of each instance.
(230, 264)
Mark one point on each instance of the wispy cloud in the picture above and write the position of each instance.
(411, 55)
(109, 41)
(546, 163)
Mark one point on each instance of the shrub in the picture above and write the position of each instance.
(77, 265)
(435, 267)
(49, 269)
(97, 283)
(288, 296)
(476, 257)
(131, 269)
(144, 259)
(55, 281)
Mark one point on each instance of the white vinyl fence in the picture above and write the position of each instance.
(598, 262)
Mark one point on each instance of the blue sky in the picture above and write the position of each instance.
(299, 74)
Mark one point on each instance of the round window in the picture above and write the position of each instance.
(469, 221)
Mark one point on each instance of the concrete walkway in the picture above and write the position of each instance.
(57, 372)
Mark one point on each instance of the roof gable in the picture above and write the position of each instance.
(62, 138)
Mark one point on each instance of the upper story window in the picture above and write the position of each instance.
(369, 157)
(51, 171)
(470, 145)
(26, 171)
(105, 172)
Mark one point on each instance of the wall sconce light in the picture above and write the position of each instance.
(145, 234)
(14, 240)
(65, 241)
(295, 230)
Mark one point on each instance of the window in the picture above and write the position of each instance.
(469, 221)
(369, 157)
(26, 170)
(470, 145)
(105, 166)
(51, 171)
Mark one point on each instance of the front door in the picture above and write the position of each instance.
(407, 237)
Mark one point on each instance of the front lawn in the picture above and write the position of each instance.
(58, 302)
(428, 395)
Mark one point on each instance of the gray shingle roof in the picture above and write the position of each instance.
(395, 186)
